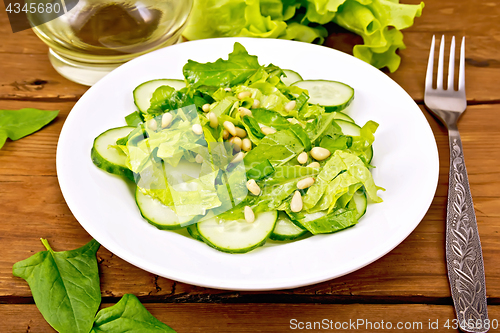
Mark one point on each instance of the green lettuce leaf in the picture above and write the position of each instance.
(360, 144)
(222, 73)
(378, 22)
(276, 189)
(321, 223)
(249, 18)
(342, 170)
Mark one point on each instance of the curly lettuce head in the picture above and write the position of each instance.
(378, 22)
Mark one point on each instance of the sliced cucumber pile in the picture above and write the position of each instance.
(291, 77)
(109, 158)
(286, 230)
(144, 91)
(332, 95)
(237, 236)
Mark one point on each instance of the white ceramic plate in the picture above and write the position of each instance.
(406, 161)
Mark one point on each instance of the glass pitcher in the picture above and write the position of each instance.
(96, 36)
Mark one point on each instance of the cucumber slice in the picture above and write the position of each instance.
(108, 158)
(350, 128)
(159, 215)
(342, 116)
(237, 236)
(144, 91)
(332, 95)
(359, 202)
(193, 232)
(285, 229)
(291, 77)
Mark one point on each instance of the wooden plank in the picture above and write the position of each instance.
(405, 273)
(27, 73)
(272, 318)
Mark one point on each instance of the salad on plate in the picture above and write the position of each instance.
(238, 153)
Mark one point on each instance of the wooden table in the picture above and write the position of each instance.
(408, 285)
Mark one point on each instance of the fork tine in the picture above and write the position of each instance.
(461, 72)
(439, 83)
(430, 66)
(451, 65)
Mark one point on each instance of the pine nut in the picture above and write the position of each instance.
(238, 157)
(253, 187)
(320, 153)
(310, 120)
(206, 107)
(236, 141)
(225, 134)
(296, 204)
(244, 94)
(249, 214)
(246, 144)
(230, 127)
(267, 130)
(228, 89)
(314, 165)
(244, 112)
(302, 158)
(214, 121)
(152, 125)
(166, 120)
(240, 132)
(290, 106)
(198, 159)
(305, 183)
(197, 129)
(256, 104)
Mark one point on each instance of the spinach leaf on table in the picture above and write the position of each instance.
(128, 315)
(16, 124)
(65, 286)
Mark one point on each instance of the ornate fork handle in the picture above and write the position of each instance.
(463, 248)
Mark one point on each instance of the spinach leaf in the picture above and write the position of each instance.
(16, 124)
(301, 135)
(65, 285)
(128, 315)
(222, 73)
(278, 148)
(322, 125)
(253, 129)
(270, 118)
(134, 119)
(336, 142)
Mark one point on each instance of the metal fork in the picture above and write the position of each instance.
(463, 248)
